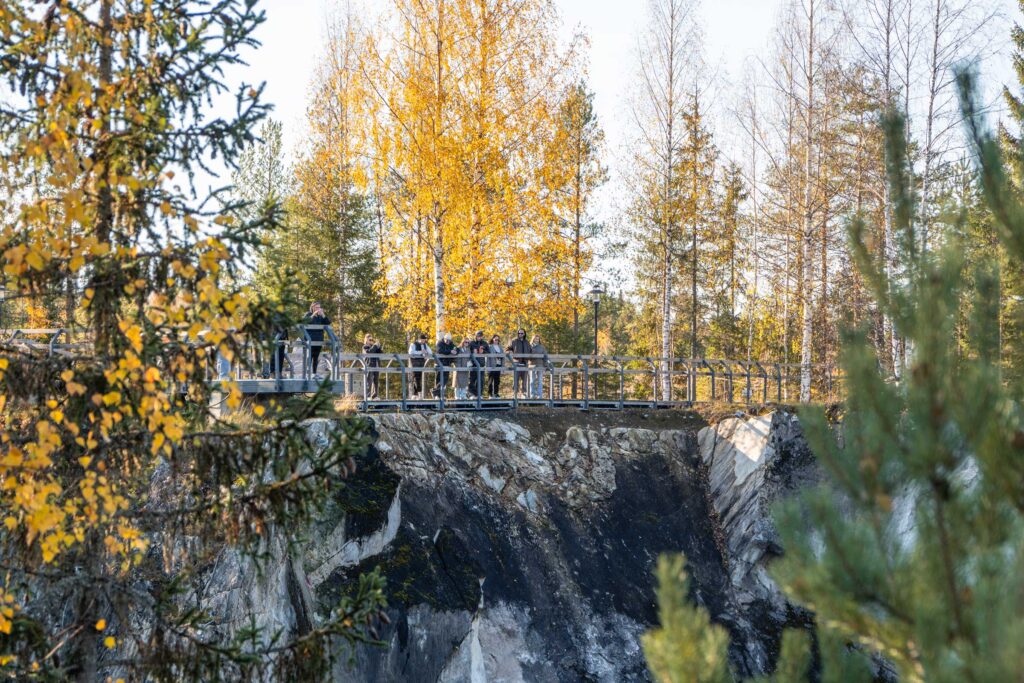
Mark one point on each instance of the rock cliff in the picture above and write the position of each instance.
(520, 547)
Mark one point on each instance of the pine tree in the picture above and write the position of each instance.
(103, 564)
(575, 172)
(911, 551)
(262, 178)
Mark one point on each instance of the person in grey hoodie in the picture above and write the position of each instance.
(537, 368)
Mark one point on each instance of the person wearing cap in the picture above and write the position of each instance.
(419, 351)
(520, 348)
(495, 361)
(479, 342)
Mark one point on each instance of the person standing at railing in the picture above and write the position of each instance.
(477, 347)
(463, 361)
(317, 320)
(495, 361)
(478, 368)
(371, 347)
(446, 357)
(419, 351)
(537, 367)
(520, 348)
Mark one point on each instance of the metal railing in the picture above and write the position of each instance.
(435, 381)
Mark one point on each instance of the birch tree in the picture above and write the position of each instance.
(466, 94)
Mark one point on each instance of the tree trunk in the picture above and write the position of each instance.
(438, 254)
(808, 227)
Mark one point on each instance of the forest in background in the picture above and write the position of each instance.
(452, 162)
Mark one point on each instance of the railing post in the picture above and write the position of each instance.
(549, 370)
(586, 384)
(480, 378)
(778, 384)
(622, 383)
(654, 375)
(401, 365)
(750, 390)
(691, 382)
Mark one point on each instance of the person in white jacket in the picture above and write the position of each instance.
(419, 352)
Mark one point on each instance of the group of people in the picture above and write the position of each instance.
(477, 364)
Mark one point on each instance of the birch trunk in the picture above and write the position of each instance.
(807, 326)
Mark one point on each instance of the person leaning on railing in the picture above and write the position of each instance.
(372, 346)
(419, 351)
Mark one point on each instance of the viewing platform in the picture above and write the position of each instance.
(553, 380)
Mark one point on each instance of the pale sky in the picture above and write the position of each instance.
(292, 38)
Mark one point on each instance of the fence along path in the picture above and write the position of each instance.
(564, 380)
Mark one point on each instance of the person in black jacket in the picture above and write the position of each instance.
(446, 356)
(479, 344)
(519, 348)
(371, 346)
(315, 317)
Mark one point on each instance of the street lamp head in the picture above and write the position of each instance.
(596, 293)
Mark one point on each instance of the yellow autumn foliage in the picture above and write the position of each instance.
(460, 102)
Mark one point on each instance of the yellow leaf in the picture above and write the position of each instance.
(110, 642)
(85, 460)
(101, 624)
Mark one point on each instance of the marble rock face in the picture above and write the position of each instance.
(522, 550)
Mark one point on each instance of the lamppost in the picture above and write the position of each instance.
(595, 296)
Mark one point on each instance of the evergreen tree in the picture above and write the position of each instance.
(726, 267)
(911, 551)
(262, 178)
(120, 483)
(1013, 144)
(574, 173)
